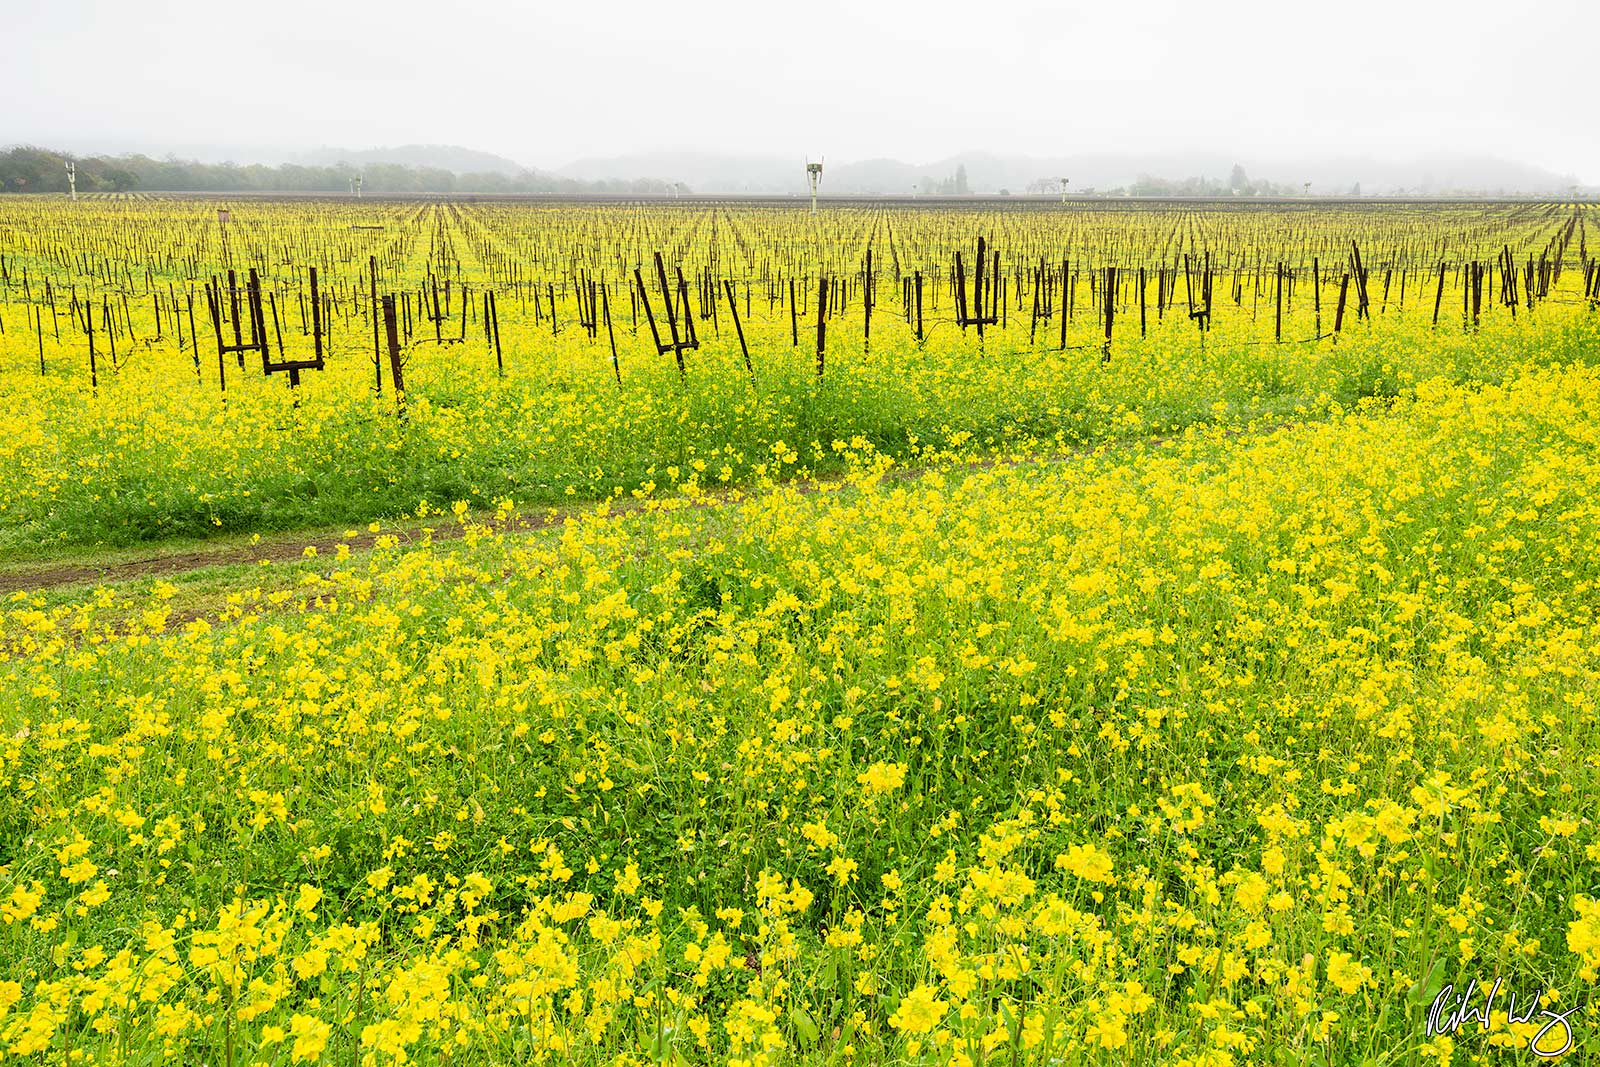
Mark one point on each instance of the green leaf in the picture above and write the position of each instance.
(804, 1026)
(1427, 987)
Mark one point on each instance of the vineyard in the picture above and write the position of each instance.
(653, 633)
(558, 353)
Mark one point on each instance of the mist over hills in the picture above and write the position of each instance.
(32, 169)
(1103, 172)
(422, 168)
(990, 173)
(453, 158)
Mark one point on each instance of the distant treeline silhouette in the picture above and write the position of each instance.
(28, 169)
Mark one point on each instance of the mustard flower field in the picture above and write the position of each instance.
(1198, 663)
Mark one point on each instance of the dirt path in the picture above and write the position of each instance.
(284, 548)
(51, 576)
(279, 549)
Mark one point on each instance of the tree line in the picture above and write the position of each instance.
(29, 169)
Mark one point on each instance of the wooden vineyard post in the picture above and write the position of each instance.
(1477, 293)
(372, 313)
(1439, 296)
(233, 306)
(1338, 314)
(396, 367)
(1110, 296)
(316, 324)
(919, 306)
(222, 367)
(1033, 321)
(94, 373)
(649, 315)
(1141, 303)
(111, 332)
(1188, 285)
(605, 303)
(1360, 273)
(672, 315)
(1062, 310)
(492, 323)
(733, 306)
(691, 341)
(794, 323)
(866, 304)
(194, 338)
(958, 291)
(1277, 321)
(437, 317)
(977, 287)
(822, 323)
(1316, 292)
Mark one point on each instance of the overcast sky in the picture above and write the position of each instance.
(549, 83)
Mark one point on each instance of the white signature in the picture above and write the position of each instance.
(1451, 1011)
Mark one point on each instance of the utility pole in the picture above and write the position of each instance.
(72, 178)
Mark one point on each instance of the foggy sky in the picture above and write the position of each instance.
(547, 83)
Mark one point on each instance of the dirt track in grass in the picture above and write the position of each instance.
(287, 547)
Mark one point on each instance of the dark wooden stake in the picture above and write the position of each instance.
(396, 368)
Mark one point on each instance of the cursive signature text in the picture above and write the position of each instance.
(1451, 1011)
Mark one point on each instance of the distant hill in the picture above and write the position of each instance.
(29, 169)
(448, 157)
(702, 172)
(424, 168)
(1102, 172)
